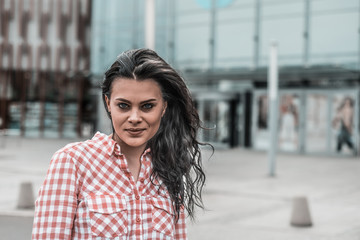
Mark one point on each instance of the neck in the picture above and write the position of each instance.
(132, 154)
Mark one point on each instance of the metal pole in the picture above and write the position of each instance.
(307, 34)
(257, 34)
(212, 34)
(273, 108)
(150, 24)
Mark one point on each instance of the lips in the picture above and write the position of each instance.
(135, 131)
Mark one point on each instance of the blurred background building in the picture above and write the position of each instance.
(44, 67)
(54, 54)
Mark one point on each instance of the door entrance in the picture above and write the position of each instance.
(218, 113)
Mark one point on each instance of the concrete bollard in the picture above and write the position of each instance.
(300, 216)
(26, 196)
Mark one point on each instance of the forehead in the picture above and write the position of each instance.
(135, 89)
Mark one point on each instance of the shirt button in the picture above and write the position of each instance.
(138, 219)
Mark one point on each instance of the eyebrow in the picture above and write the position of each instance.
(142, 102)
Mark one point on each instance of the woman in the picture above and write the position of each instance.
(343, 120)
(138, 182)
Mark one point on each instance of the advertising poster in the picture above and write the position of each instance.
(329, 123)
(261, 133)
(343, 134)
(316, 135)
(289, 122)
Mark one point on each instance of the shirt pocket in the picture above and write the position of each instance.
(108, 215)
(162, 215)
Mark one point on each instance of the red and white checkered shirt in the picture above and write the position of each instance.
(89, 193)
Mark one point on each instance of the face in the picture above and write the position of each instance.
(347, 102)
(136, 109)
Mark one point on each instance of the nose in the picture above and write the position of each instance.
(134, 117)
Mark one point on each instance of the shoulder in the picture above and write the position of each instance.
(84, 149)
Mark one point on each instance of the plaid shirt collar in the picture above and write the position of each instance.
(112, 146)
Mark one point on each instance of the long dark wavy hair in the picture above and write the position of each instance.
(175, 150)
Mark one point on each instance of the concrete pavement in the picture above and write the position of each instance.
(242, 201)
(245, 203)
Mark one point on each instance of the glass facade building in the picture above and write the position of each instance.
(308, 32)
(221, 47)
(44, 68)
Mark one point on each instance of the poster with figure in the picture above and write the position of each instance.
(261, 133)
(316, 133)
(343, 123)
(263, 106)
(289, 122)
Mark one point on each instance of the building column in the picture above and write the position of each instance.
(150, 24)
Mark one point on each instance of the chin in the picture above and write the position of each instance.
(135, 144)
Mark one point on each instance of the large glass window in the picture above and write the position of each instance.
(289, 122)
(323, 121)
(184, 36)
(233, 47)
(216, 119)
(283, 22)
(117, 26)
(334, 34)
(192, 35)
(317, 115)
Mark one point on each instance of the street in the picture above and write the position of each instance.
(15, 228)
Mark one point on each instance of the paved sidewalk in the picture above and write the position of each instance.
(242, 201)
(23, 160)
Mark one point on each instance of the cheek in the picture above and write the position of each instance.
(154, 122)
(118, 119)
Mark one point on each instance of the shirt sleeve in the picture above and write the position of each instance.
(56, 204)
(180, 227)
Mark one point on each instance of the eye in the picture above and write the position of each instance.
(148, 106)
(123, 105)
